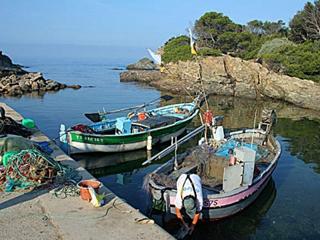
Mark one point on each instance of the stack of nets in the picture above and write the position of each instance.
(161, 179)
(10, 126)
(30, 169)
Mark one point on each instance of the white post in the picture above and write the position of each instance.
(175, 154)
(149, 143)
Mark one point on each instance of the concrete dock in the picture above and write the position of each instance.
(40, 215)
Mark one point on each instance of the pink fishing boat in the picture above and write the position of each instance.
(234, 170)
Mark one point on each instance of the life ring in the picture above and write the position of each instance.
(142, 116)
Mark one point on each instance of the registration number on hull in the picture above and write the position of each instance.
(210, 203)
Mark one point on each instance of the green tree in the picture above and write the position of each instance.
(312, 20)
(305, 25)
(210, 26)
(298, 32)
(235, 43)
(255, 27)
(266, 28)
(274, 27)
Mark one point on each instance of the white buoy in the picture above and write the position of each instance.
(201, 141)
(149, 143)
(63, 134)
(219, 134)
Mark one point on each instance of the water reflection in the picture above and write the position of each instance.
(303, 138)
(240, 112)
(103, 161)
(34, 94)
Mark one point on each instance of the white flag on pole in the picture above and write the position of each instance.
(156, 57)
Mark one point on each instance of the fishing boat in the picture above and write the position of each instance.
(132, 132)
(234, 169)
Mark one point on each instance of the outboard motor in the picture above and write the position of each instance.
(217, 128)
(268, 120)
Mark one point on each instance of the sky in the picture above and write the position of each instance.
(117, 24)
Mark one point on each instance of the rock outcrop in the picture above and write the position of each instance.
(140, 76)
(143, 64)
(6, 63)
(14, 81)
(231, 76)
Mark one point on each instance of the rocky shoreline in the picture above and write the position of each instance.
(14, 81)
(229, 76)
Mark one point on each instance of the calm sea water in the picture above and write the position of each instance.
(287, 209)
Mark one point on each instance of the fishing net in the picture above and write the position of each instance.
(10, 126)
(210, 167)
(30, 169)
(13, 143)
(83, 128)
(164, 180)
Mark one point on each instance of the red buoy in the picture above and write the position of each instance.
(207, 117)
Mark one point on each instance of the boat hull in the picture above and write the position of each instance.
(218, 212)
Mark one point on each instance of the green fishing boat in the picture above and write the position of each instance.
(132, 132)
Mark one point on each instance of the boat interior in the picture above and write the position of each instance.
(222, 165)
(139, 122)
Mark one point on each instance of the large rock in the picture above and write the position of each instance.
(25, 87)
(52, 86)
(141, 76)
(33, 77)
(35, 86)
(143, 64)
(75, 86)
(230, 76)
(14, 90)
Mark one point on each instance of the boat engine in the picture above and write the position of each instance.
(268, 119)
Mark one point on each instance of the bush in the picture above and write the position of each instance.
(300, 60)
(177, 49)
(272, 45)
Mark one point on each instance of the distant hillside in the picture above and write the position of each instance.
(6, 63)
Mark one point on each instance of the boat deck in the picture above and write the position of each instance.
(196, 160)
